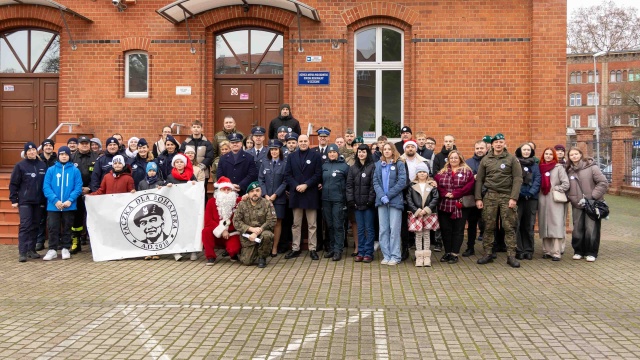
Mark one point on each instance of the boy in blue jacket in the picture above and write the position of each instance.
(62, 187)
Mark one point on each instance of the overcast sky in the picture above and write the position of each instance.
(574, 4)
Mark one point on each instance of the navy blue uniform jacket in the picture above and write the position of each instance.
(272, 180)
(241, 172)
(304, 167)
(27, 180)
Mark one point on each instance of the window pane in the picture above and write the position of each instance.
(137, 73)
(273, 61)
(366, 45)
(50, 62)
(19, 41)
(259, 42)
(366, 101)
(391, 45)
(39, 40)
(392, 103)
(8, 62)
(225, 61)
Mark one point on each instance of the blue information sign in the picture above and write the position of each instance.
(313, 77)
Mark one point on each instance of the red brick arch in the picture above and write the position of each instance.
(22, 16)
(135, 43)
(380, 9)
(234, 16)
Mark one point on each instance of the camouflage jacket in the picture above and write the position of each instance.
(263, 215)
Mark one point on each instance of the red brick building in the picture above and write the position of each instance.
(468, 68)
(621, 82)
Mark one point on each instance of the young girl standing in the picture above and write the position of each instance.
(422, 199)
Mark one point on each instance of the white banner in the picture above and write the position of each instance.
(149, 222)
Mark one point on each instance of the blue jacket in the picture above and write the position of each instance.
(241, 172)
(164, 163)
(25, 186)
(139, 169)
(304, 167)
(531, 190)
(61, 183)
(334, 180)
(272, 180)
(259, 158)
(397, 183)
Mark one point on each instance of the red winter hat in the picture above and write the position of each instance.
(224, 182)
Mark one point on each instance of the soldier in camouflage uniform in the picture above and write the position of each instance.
(256, 217)
(501, 174)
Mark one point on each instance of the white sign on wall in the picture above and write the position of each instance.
(183, 90)
(9, 88)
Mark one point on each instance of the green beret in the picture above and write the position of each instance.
(487, 139)
(498, 136)
(358, 140)
(252, 186)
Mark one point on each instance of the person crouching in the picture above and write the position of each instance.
(218, 226)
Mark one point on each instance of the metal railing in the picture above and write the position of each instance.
(605, 156)
(178, 126)
(54, 133)
(632, 162)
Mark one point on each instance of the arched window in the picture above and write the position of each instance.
(612, 76)
(29, 51)
(572, 78)
(579, 77)
(618, 76)
(590, 77)
(249, 51)
(136, 74)
(575, 99)
(379, 78)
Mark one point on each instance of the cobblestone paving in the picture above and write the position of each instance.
(305, 309)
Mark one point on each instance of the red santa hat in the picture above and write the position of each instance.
(223, 182)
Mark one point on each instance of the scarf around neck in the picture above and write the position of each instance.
(527, 174)
(545, 184)
(186, 175)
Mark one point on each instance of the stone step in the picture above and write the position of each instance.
(9, 228)
(10, 215)
(9, 239)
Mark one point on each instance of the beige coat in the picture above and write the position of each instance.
(593, 182)
(551, 214)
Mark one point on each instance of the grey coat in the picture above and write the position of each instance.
(593, 182)
(551, 214)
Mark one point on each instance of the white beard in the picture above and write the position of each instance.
(226, 202)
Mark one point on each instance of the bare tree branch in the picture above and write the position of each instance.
(604, 27)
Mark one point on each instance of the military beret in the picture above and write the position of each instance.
(252, 186)
(358, 140)
(498, 136)
(487, 139)
(147, 210)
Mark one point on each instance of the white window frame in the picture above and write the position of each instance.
(634, 119)
(575, 121)
(592, 120)
(575, 99)
(616, 120)
(591, 97)
(615, 98)
(131, 94)
(377, 66)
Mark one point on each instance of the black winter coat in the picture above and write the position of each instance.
(360, 192)
(164, 163)
(85, 163)
(27, 180)
(52, 159)
(288, 121)
(441, 159)
(101, 168)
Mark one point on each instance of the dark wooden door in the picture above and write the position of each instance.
(251, 102)
(28, 112)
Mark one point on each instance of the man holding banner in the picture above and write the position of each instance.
(255, 219)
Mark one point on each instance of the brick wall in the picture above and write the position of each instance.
(471, 67)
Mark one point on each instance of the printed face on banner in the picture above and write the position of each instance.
(150, 222)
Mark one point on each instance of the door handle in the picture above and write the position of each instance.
(35, 124)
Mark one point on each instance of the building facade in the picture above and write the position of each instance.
(615, 87)
(468, 68)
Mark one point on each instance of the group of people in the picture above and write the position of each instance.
(392, 195)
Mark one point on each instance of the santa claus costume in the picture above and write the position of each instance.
(218, 218)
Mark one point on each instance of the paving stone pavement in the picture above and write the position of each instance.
(299, 308)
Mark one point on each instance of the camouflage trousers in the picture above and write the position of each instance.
(251, 251)
(493, 202)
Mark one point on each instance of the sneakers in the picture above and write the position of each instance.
(591, 258)
(393, 262)
(194, 256)
(211, 261)
(50, 255)
(376, 245)
(177, 256)
(577, 257)
(66, 254)
(384, 262)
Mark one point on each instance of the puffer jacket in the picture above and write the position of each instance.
(397, 183)
(116, 183)
(334, 180)
(593, 182)
(61, 183)
(164, 163)
(139, 168)
(360, 192)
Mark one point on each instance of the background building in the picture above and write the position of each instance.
(468, 68)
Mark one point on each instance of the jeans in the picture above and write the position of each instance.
(390, 219)
(29, 221)
(60, 223)
(333, 212)
(366, 231)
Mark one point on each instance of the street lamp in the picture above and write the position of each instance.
(597, 100)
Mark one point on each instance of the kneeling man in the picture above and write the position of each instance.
(218, 222)
(255, 219)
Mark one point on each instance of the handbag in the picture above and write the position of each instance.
(595, 209)
(468, 201)
(414, 222)
(559, 196)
